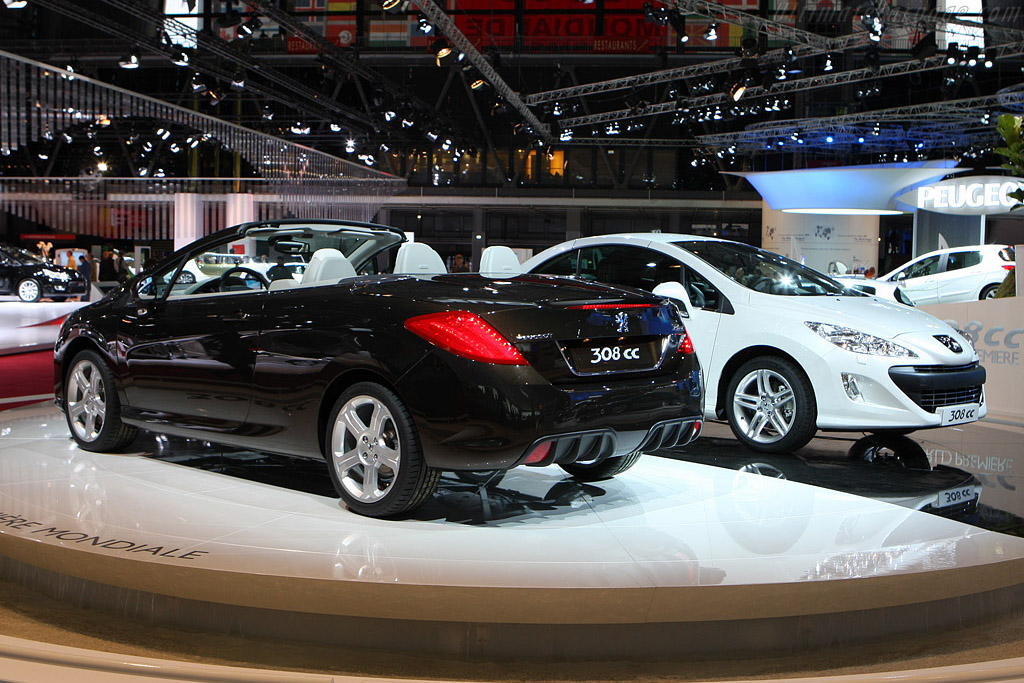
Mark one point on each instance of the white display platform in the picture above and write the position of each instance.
(662, 560)
(30, 327)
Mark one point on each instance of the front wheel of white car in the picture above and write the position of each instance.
(770, 405)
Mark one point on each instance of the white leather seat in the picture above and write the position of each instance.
(417, 258)
(276, 285)
(499, 261)
(326, 266)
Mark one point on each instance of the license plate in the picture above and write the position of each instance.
(955, 415)
(615, 356)
(957, 496)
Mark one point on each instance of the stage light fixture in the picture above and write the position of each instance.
(828, 63)
(711, 34)
(129, 61)
(424, 25)
(198, 87)
(738, 89)
(238, 81)
(441, 50)
(249, 27)
(478, 84)
(180, 58)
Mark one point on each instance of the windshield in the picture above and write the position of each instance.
(24, 257)
(762, 270)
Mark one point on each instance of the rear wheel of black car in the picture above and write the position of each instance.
(605, 469)
(770, 405)
(91, 405)
(374, 454)
(29, 290)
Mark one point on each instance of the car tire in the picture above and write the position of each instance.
(781, 386)
(186, 278)
(29, 290)
(92, 407)
(890, 450)
(606, 469)
(371, 432)
(988, 292)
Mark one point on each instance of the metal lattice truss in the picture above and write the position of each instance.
(262, 80)
(779, 89)
(443, 23)
(805, 44)
(343, 59)
(955, 124)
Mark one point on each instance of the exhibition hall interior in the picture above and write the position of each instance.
(494, 340)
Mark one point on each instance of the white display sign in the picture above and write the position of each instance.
(972, 196)
(818, 240)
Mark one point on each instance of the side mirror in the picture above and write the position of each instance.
(902, 275)
(676, 292)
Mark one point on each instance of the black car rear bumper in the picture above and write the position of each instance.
(494, 419)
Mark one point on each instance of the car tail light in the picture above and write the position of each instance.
(685, 345)
(466, 334)
(592, 307)
(538, 454)
(1008, 266)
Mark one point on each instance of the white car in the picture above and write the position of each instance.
(785, 349)
(957, 274)
(884, 290)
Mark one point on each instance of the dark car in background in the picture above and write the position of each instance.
(389, 377)
(31, 278)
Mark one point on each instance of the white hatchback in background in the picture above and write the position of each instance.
(786, 350)
(956, 274)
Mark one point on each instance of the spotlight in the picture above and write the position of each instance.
(390, 115)
(68, 138)
(432, 136)
(441, 49)
(198, 86)
(350, 145)
(174, 148)
(828, 63)
(873, 23)
(678, 23)
(973, 52)
(238, 81)
(477, 84)
(215, 97)
(129, 61)
(952, 53)
(424, 25)
(711, 34)
(299, 129)
(406, 123)
(392, 6)
(192, 142)
(268, 113)
(335, 128)
(565, 135)
(738, 89)
(249, 27)
(163, 133)
(102, 167)
(15, 4)
(829, 139)
(180, 58)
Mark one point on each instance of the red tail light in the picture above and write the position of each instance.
(1009, 266)
(685, 345)
(466, 334)
(538, 454)
(591, 307)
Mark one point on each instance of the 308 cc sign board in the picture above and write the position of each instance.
(972, 196)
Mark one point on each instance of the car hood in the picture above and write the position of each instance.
(863, 313)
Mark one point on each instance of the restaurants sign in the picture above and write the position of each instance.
(971, 196)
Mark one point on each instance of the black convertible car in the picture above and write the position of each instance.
(392, 374)
(31, 278)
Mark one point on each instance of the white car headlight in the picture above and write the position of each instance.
(860, 342)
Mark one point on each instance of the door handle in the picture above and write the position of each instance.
(237, 317)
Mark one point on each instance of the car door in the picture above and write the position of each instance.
(920, 279)
(190, 350)
(7, 267)
(961, 278)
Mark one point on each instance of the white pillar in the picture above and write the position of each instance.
(188, 219)
(240, 208)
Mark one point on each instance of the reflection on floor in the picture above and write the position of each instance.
(665, 522)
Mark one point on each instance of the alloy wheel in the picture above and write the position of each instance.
(764, 405)
(366, 451)
(28, 290)
(87, 400)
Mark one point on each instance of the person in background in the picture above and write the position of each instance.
(278, 272)
(459, 264)
(108, 268)
(85, 269)
(122, 268)
(870, 273)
